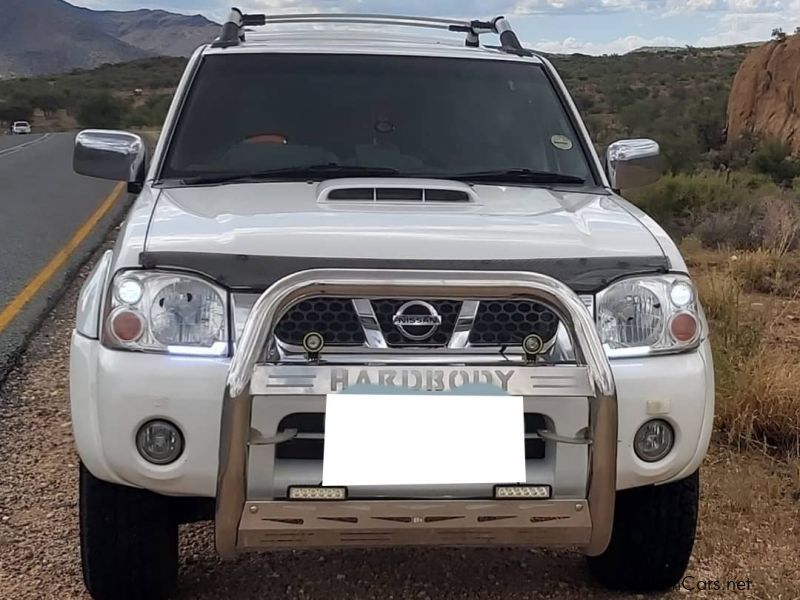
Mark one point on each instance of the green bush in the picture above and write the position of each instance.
(74, 91)
(774, 158)
(677, 196)
(49, 102)
(101, 110)
(678, 98)
(17, 110)
(151, 114)
(740, 210)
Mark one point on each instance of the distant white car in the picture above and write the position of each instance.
(20, 127)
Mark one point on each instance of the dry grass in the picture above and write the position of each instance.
(756, 342)
(767, 271)
(749, 525)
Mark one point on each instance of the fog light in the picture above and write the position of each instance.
(533, 344)
(300, 492)
(159, 442)
(522, 492)
(654, 440)
(313, 342)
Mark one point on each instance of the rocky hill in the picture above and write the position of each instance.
(765, 96)
(157, 31)
(50, 36)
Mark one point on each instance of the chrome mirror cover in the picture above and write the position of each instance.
(109, 154)
(633, 163)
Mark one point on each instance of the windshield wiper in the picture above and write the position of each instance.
(304, 172)
(518, 176)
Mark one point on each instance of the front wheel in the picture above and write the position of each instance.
(653, 537)
(129, 541)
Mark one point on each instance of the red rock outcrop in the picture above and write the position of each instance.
(765, 97)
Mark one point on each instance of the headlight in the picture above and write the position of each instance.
(166, 312)
(649, 315)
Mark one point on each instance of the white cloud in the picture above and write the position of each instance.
(752, 20)
(723, 21)
(661, 6)
(520, 7)
(621, 45)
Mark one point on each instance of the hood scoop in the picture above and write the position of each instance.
(403, 191)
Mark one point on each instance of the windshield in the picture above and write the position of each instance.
(322, 116)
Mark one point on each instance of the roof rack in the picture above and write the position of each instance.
(233, 30)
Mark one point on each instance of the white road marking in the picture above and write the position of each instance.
(19, 147)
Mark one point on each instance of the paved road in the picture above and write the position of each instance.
(42, 205)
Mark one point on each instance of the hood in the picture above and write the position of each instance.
(496, 223)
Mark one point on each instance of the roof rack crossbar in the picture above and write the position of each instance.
(233, 31)
(349, 17)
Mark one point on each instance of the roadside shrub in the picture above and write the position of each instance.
(735, 155)
(758, 404)
(675, 197)
(49, 102)
(691, 245)
(774, 158)
(756, 377)
(16, 110)
(683, 203)
(736, 210)
(724, 226)
(767, 271)
(101, 110)
(151, 114)
(779, 226)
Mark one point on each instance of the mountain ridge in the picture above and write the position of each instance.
(40, 37)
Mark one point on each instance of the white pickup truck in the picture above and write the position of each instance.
(336, 209)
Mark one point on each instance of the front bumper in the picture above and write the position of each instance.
(110, 401)
(114, 392)
(415, 522)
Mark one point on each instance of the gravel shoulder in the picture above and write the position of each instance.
(750, 523)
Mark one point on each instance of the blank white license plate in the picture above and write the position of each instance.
(423, 439)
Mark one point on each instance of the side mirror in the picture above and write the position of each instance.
(106, 154)
(633, 163)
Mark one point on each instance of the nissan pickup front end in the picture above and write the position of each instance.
(384, 350)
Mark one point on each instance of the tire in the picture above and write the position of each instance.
(653, 537)
(129, 541)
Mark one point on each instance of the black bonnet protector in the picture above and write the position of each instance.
(256, 273)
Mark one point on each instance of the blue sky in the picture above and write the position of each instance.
(590, 26)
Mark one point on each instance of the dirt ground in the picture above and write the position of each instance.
(748, 543)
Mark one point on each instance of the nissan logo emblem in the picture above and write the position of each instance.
(417, 320)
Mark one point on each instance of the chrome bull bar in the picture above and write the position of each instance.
(371, 284)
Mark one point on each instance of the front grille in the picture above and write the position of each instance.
(508, 322)
(496, 323)
(310, 443)
(386, 309)
(334, 318)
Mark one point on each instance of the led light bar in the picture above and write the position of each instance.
(522, 492)
(311, 492)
